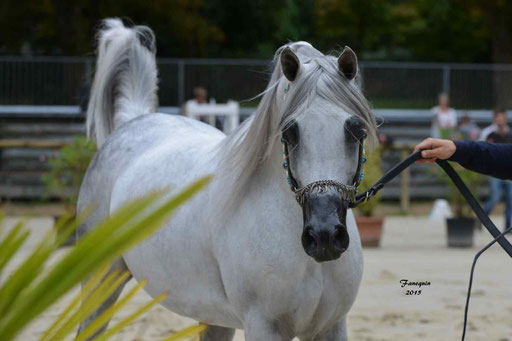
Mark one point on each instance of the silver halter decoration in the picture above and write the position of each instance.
(347, 192)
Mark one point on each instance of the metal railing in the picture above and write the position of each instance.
(65, 81)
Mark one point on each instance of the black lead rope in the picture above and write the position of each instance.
(466, 193)
(471, 277)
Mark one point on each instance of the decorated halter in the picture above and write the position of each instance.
(346, 192)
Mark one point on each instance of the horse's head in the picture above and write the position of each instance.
(322, 133)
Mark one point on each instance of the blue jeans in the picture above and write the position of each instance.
(498, 188)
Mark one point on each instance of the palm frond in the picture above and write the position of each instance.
(29, 291)
(187, 332)
(76, 301)
(132, 317)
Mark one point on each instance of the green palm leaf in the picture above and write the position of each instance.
(26, 293)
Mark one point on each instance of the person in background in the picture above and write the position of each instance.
(385, 140)
(200, 95)
(444, 118)
(499, 132)
(468, 130)
(499, 121)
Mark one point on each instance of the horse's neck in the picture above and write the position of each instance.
(269, 212)
(265, 195)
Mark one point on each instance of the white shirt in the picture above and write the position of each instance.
(442, 120)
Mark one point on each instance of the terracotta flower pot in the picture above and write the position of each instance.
(370, 230)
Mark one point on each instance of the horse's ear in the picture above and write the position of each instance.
(290, 64)
(347, 63)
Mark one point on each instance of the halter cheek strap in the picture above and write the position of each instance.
(362, 160)
(290, 180)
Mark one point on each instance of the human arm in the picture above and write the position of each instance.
(486, 158)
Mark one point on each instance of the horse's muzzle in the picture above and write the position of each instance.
(325, 235)
(323, 245)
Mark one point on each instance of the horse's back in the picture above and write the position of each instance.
(126, 146)
(180, 150)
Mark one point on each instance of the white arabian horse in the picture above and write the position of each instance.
(247, 252)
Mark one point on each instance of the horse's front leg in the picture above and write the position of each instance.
(257, 328)
(337, 333)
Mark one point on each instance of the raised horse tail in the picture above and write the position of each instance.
(125, 81)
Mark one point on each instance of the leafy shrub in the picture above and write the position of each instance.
(68, 169)
(472, 180)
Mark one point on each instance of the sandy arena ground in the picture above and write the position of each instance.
(413, 248)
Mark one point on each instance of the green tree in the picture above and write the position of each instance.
(446, 30)
(360, 24)
(498, 15)
(62, 27)
(405, 29)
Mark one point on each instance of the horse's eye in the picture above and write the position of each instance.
(355, 129)
(291, 133)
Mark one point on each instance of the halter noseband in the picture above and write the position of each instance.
(347, 192)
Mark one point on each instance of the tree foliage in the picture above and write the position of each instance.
(448, 30)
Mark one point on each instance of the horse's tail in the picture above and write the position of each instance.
(125, 82)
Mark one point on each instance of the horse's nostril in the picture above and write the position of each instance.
(340, 237)
(338, 231)
(308, 238)
(339, 228)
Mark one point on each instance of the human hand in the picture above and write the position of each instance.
(433, 149)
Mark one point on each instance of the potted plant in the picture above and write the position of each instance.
(66, 171)
(369, 225)
(461, 226)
